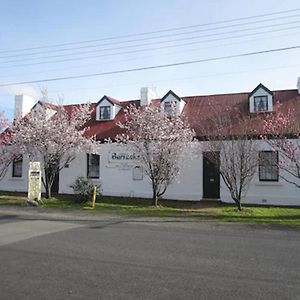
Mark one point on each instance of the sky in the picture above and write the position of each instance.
(43, 24)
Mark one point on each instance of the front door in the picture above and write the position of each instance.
(211, 175)
(55, 186)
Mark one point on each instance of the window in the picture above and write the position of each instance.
(268, 166)
(105, 112)
(93, 166)
(260, 103)
(170, 107)
(17, 167)
(137, 173)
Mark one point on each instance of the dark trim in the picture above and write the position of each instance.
(170, 92)
(17, 160)
(105, 98)
(275, 165)
(254, 103)
(88, 166)
(107, 107)
(35, 105)
(263, 87)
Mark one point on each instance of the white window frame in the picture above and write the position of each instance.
(267, 165)
(101, 108)
(15, 168)
(91, 167)
(257, 101)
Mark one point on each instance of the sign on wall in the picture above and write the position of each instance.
(122, 157)
(34, 181)
(137, 173)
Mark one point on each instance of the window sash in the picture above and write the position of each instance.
(17, 167)
(170, 107)
(105, 112)
(93, 166)
(261, 103)
(268, 166)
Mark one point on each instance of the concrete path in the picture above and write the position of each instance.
(23, 230)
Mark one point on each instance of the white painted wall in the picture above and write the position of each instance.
(15, 184)
(116, 179)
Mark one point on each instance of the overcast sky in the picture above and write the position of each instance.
(36, 24)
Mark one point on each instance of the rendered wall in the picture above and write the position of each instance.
(116, 179)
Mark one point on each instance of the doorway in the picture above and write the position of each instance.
(55, 186)
(211, 175)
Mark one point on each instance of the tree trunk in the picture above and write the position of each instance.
(48, 191)
(48, 186)
(154, 193)
(154, 198)
(239, 204)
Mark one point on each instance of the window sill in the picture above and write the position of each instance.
(268, 183)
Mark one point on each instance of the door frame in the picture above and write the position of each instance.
(214, 182)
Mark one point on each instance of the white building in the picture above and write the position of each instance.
(119, 171)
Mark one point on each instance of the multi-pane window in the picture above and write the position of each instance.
(93, 166)
(260, 103)
(268, 166)
(170, 107)
(17, 167)
(105, 112)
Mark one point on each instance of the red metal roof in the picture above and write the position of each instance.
(197, 110)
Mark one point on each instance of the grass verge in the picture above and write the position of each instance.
(195, 210)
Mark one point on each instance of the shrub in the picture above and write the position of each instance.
(83, 189)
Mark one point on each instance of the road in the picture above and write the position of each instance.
(52, 257)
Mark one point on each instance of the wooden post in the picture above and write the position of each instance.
(94, 196)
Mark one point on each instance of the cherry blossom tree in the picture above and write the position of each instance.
(161, 141)
(53, 136)
(231, 146)
(6, 156)
(282, 133)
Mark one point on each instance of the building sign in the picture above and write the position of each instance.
(123, 157)
(34, 181)
(137, 173)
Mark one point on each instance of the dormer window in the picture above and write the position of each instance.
(260, 103)
(260, 100)
(171, 104)
(168, 107)
(105, 112)
(107, 108)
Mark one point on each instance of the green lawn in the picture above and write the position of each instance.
(142, 207)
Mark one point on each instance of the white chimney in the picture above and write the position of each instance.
(23, 105)
(147, 94)
(298, 85)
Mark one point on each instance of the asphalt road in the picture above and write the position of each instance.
(121, 258)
